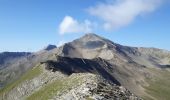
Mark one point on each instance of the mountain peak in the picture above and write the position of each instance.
(50, 47)
(91, 34)
(91, 37)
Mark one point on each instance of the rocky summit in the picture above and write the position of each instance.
(88, 68)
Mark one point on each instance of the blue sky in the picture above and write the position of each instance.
(29, 25)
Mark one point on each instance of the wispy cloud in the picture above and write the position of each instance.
(71, 25)
(119, 13)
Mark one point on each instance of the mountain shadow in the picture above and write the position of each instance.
(69, 66)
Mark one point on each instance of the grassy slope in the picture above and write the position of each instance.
(159, 88)
(27, 76)
(54, 88)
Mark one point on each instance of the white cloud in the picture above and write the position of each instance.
(71, 25)
(120, 13)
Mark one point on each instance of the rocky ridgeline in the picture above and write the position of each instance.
(94, 87)
(97, 88)
(77, 82)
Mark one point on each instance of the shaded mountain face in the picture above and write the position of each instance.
(139, 70)
(69, 66)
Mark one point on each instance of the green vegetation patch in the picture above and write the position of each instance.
(159, 88)
(88, 98)
(27, 76)
(54, 88)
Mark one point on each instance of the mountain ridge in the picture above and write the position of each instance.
(137, 69)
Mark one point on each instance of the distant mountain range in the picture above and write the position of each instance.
(8, 56)
(88, 68)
